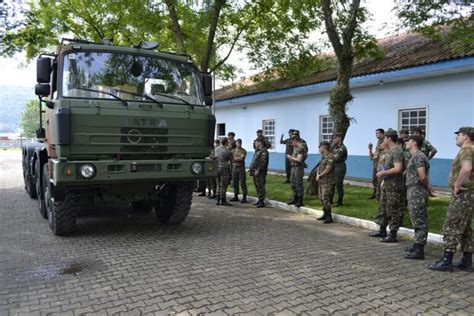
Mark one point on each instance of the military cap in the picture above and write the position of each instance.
(338, 134)
(466, 130)
(291, 130)
(239, 140)
(259, 131)
(391, 132)
(403, 131)
(417, 129)
(415, 137)
(297, 132)
(324, 143)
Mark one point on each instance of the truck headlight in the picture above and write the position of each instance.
(87, 171)
(197, 168)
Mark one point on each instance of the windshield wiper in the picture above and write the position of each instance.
(172, 97)
(141, 95)
(104, 92)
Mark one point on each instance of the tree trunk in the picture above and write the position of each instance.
(341, 96)
(218, 4)
(178, 33)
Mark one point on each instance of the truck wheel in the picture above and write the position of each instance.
(29, 183)
(142, 206)
(173, 208)
(39, 189)
(61, 214)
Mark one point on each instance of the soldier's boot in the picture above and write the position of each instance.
(218, 200)
(256, 203)
(260, 203)
(391, 238)
(465, 263)
(244, 199)
(410, 248)
(224, 202)
(235, 198)
(382, 233)
(328, 219)
(323, 217)
(293, 201)
(299, 203)
(417, 252)
(445, 264)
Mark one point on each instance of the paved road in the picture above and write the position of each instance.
(221, 261)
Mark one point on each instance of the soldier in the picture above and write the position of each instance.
(391, 194)
(403, 135)
(297, 159)
(428, 149)
(457, 226)
(375, 156)
(417, 195)
(325, 181)
(339, 153)
(224, 157)
(212, 183)
(259, 169)
(288, 151)
(238, 172)
(265, 141)
(302, 142)
(231, 138)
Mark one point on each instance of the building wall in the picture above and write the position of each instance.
(449, 100)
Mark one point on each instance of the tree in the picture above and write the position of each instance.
(30, 118)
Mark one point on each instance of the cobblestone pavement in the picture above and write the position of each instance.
(221, 260)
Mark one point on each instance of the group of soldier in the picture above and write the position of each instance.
(401, 181)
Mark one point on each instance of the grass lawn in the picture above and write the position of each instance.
(356, 202)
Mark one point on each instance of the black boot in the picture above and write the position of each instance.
(218, 201)
(445, 264)
(244, 199)
(416, 252)
(465, 263)
(293, 202)
(256, 203)
(235, 198)
(391, 238)
(260, 203)
(382, 233)
(224, 202)
(328, 219)
(323, 217)
(299, 203)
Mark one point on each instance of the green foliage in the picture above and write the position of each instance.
(30, 118)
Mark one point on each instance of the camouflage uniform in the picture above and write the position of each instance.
(238, 171)
(297, 172)
(288, 151)
(377, 159)
(265, 141)
(417, 196)
(325, 185)
(212, 183)
(260, 163)
(391, 194)
(339, 153)
(426, 148)
(224, 156)
(457, 226)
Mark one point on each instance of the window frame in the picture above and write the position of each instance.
(273, 144)
(410, 126)
(321, 134)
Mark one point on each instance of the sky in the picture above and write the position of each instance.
(15, 71)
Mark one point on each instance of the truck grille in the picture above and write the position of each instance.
(142, 140)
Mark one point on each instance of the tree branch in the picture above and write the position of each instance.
(178, 33)
(352, 24)
(331, 29)
(212, 33)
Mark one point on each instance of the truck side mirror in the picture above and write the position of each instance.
(208, 100)
(43, 70)
(207, 84)
(42, 89)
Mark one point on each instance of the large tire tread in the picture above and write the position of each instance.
(174, 208)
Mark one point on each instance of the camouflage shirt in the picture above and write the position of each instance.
(465, 154)
(378, 152)
(339, 152)
(426, 148)
(259, 161)
(326, 163)
(391, 157)
(288, 146)
(417, 160)
(237, 153)
(265, 141)
(223, 156)
(298, 151)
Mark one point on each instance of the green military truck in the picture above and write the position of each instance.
(127, 124)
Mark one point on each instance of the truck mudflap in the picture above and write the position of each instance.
(89, 173)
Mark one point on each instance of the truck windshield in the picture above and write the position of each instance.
(101, 75)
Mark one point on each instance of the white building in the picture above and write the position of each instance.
(417, 83)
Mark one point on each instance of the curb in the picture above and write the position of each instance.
(352, 221)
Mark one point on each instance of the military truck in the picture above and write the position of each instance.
(122, 124)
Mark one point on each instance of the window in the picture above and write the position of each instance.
(220, 130)
(326, 128)
(269, 131)
(410, 118)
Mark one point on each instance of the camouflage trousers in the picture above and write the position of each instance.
(239, 178)
(391, 205)
(296, 179)
(417, 196)
(457, 226)
(325, 191)
(287, 168)
(338, 178)
(259, 182)
(223, 178)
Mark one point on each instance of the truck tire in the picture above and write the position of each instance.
(61, 214)
(173, 208)
(40, 182)
(30, 186)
